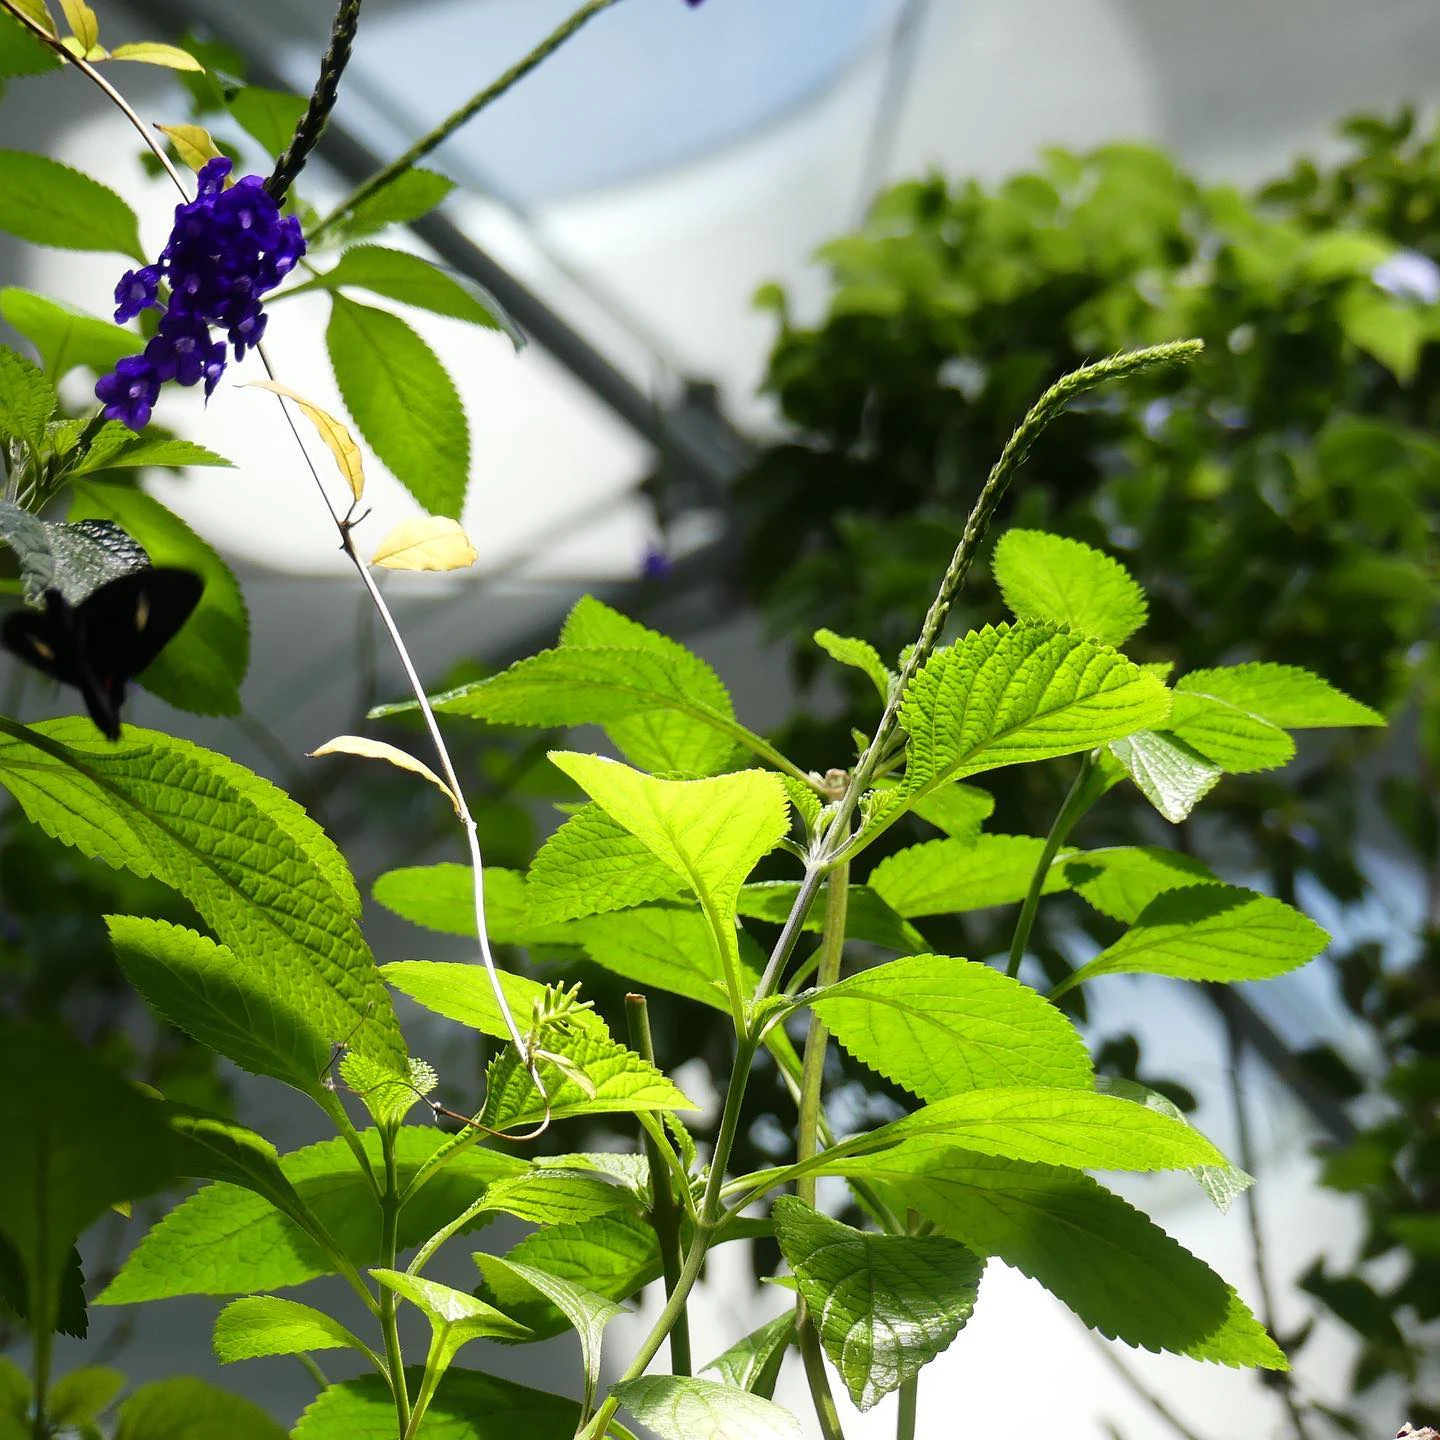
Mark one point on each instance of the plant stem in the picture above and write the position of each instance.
(1074, 805)
(664, 1215)
(909, 1397)
(389, 1236)
(41, 1344)
(815, 1376)
(467, 112)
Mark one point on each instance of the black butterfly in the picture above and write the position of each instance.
(100, 644)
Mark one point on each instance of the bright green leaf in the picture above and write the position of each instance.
(442, 897)
(153, 52)
(21, 53)
(753, 1363)
(410, 279)
(680, 1408)
(1285, 695)
(403, 402)
(456, 1317)
(884, 1305)
(410, 195)
(1121, 881)
(117, 447)
(268, 116)
(463, 992)
(548, 1194)
(945, 877)
(1209, 932)
(1048, 577)
(867, 916)
(940, 1026)
(27, 399)
(48, 203)
(1236, 741)
(859, 654)
(259, 1325)
(65, 337)
(959, 810)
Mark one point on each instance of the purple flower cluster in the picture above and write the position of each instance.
(228, 248)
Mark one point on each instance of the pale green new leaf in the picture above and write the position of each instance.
(184, 1408)
(1012, 694)
(259, 1325)
(592, 864)
(753, 1363)
(467, 1405)
(1051, 1125)
(403, 401)
(867, 916)
(224, 1240)
(246, 1012)
(940, 1026)
(1235, 740)
(710, 832)
(463, 992)
(588, 1312)
(1122, 880)
(456, 1317)
(1121, 1274)
(259, 871)
(885, 1305)
(552, 1195)
(679, 1408)
(860, 654)
(1172, 776)
(959, 810)
(1209, 932)
(946, 877)
(1049, 577)
(65, 337)
(1285, 695)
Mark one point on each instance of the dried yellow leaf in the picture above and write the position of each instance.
(337, 438)
(431, 542)
(379, 750)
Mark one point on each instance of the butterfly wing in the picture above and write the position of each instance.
(45, 639)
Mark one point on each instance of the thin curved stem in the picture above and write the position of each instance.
(467, 112)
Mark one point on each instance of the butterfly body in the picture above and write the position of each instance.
(102, 642)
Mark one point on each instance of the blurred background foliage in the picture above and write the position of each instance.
(1276, 499)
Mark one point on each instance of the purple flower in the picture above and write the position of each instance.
(656, 564)
(227, 250)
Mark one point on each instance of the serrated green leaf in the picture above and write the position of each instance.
(21, 53)
(592, 864)
(945, 877)
(620, 1082)
(268, 116)
(227, 1241)
(1208, 932)
(410, 279)
(387, 1097)
(407, 197)
(884, 1305)
(260, 1325)
(859, 654)
(615, 1256)
(551, 1195)
(65, 337)
(48, 203)
(1285, 695)
(710, 832)
(117, 447)
(463, 992)
(467, 1405)
(1236, 741)
(867, 916)
(276, 887)
(753, 1363)
(202, 668)
(403, 402)
(1222, 1183)
(1007, 695)
(680, 1408)
(1049, 577)
(940, 1026)
(78, 1138)
(213, 1148)
(442, 897)
(1121, 881)
(1052, 1125)
(456, 1317)
(959, 810)
(83, 1394)
(588, 1312)
(1120, 1273)
(664, 947)
(1172, 776)
(184, 1408)
(27, 399)
(249, 1013)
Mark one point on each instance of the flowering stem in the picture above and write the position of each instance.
(452, 122)
(322, 101)
(93, 75)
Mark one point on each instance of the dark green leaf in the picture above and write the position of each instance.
(188, 1409)
(48, 203)
(65, 337)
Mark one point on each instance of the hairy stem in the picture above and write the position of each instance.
(467, 112)
(664, 1214)
(1074, 805)
(389, 1246)
(322, 102)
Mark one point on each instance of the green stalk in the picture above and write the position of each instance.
(905, 1417)
(467, 112)
(389, 1246)
(807, 1135)
(664, 1215)
(1077, 801)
